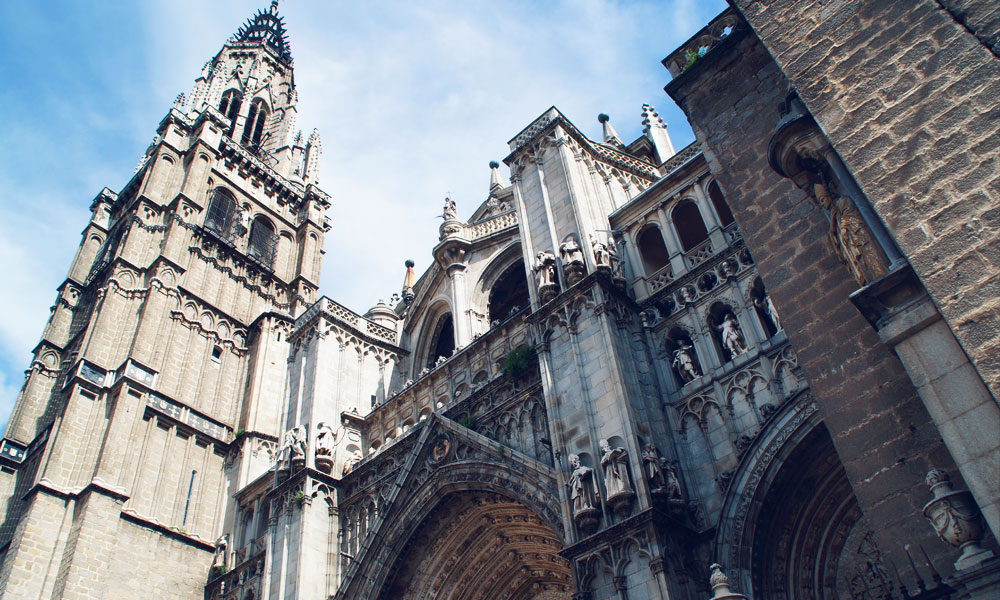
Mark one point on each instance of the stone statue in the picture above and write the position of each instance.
(767, 307)
(615, 471)
(684, 362)
(545, 275)
(732, 338)
(450, 210)
(297, 444)
(673, 484)
(602, 254)
(325, 440)
(351, 460)
(582, 491)
(573, 266)
(570, 252)
(851, 239)
(651, 465)
(221, 550)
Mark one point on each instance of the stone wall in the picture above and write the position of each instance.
(879, 426)
(907, 95)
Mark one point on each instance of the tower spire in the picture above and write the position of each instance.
(266, 27)
(609, 134)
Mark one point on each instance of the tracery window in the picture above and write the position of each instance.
(689, 224)
(253, 131)
(262, 242)
(223, 215)
(652, 249)
(443, 342)
(230, 107)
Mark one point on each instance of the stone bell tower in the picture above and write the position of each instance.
(165, 352)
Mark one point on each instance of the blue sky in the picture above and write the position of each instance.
(412, 99)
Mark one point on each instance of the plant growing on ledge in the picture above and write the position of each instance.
(467, 421)
(298, 497)
(517, 364)
(220, 570)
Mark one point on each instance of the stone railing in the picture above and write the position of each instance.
(702, 43)
(430, 390)
(491, 225)
(732, 233)
(699, 254)
(660, 278)
(236, 582)
(346, 316)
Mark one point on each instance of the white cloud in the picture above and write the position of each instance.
(413, 99)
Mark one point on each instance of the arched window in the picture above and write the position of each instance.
(263, 241)
(719, 202)
(509, 293)
(253, 131)
(690, 228)
(652, 249)
(222, 213)
(230, 107)
(443, 342)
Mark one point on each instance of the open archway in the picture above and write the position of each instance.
(479, 545)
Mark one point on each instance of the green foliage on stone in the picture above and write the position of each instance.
(467, 421)
(518, 362)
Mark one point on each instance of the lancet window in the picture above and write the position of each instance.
(223, 215)
(262, 242)
(230, 107)
(509, 294)
(253, 131)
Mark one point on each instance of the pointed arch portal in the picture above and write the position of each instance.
(480, 545)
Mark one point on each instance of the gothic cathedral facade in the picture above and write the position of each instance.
(760, 366)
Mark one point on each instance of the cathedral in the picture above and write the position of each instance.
(763, 366)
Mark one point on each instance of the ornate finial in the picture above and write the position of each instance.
(274, 4)
(609, 134)
(955, 517)
(720, 585)
(408, 281)
(495, 181)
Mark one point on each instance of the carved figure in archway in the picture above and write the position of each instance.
(764, 304)
(732, 337)
(672, 487)
(572, 258)
(851, 239)
(684, 362)
(602, 254)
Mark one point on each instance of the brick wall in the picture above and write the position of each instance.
(879, 426)
(907, 94)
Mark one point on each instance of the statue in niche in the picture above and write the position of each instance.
(572, 257)
(672, 489)
(545, 275)
(684, 362)
(615, 471)
(570, 252)
(765, 305)
(350, 462)
(852, 240)
(297, 445)
(221, 550)
(325, 440)
(602, 254)
(732, 337)
(450, 210)
(651, 464)
(582, 491)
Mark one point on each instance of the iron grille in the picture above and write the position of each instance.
(223, 218)
(263, 243)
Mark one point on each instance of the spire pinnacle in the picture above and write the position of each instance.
(408, 281)
(610, 135)
(656, 131)
(496, 181)
(266, 27)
